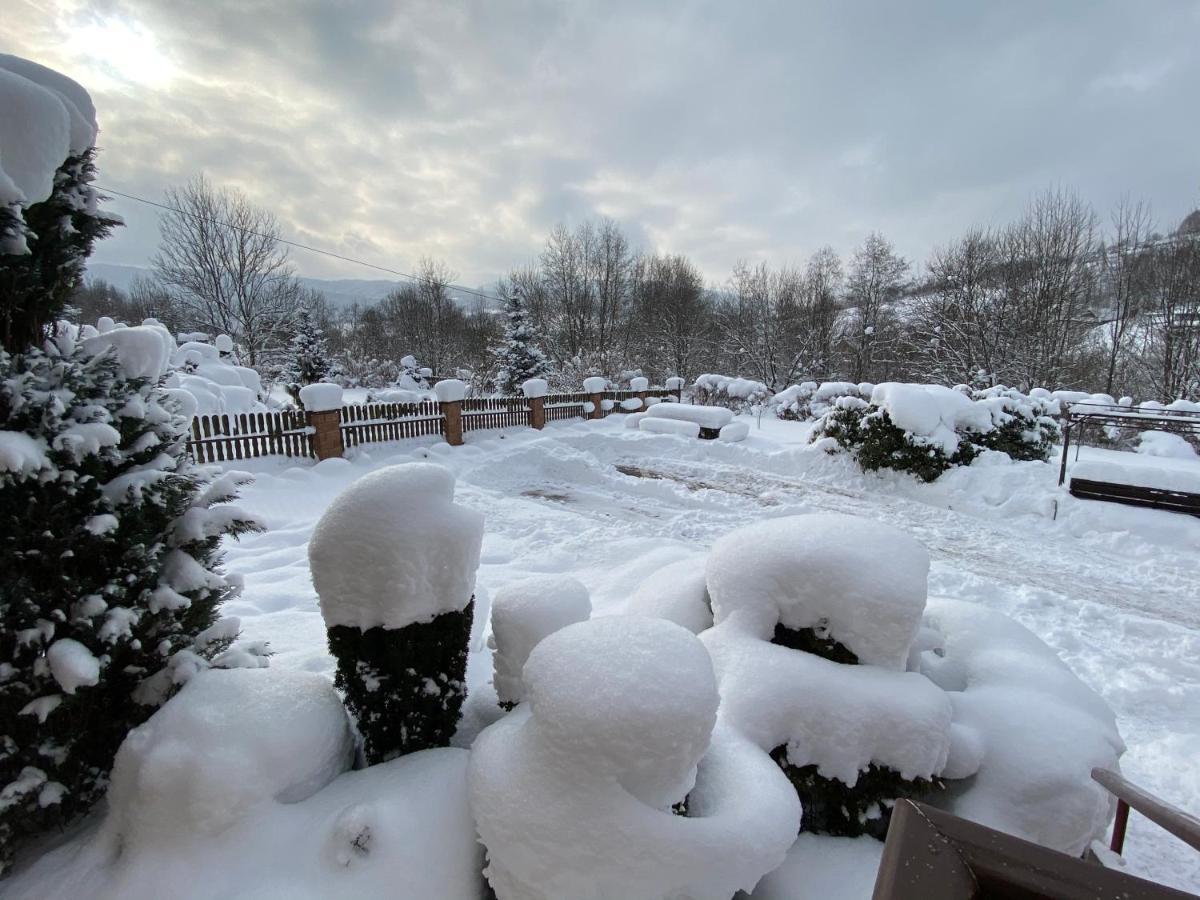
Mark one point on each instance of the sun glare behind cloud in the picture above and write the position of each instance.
(124, 51)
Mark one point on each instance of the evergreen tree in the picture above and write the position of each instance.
(518, 357)
(43, 248)
(308, 357)
(111, 584)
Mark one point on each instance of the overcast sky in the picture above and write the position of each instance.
(389, 130)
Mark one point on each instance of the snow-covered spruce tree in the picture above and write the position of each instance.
(518, 356)
(110, 558)
(308, 357)
(393, 560)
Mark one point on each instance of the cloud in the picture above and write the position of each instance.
(464, 131)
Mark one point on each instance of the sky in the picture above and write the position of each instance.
(464, 130)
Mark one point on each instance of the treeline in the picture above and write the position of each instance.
(1058, 298)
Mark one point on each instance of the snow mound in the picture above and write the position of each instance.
(595, 384)
(734, 432)
(639, 383)
(523, 614)
(144, 351)
(47, 119)
(677, 593)
(230, 741)
(72, 665)
(1140, 472)
(22, 454)
(860, 581)
(631, 403)
(535, 387)
(662, 425)
(450, 390)
(571, 793)
(715, 417)
(1040, 728)
(321, 397)
(1165, 444)
(674, 383)
(394, 549)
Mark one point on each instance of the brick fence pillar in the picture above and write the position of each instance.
(537, 412)
(452, 411)
(641, 395)
(327, 433)
(597, 408)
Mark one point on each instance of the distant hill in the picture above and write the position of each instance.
(340, 292)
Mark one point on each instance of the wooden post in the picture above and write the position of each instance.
(641, 395)
(537, 412)
(327, 433)
(452, 411)
(1062, 468)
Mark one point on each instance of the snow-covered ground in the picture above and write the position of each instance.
(1112, 589)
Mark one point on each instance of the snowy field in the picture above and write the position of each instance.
(1113, 590)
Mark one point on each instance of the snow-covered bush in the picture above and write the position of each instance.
(111, 562)
(827, 655)
(241, 786)
(809, 400)
(523, 614)
(211, 376)
(1022, 426)
(738, 394)
(925, 429)
(393, 560)
(1165, 444)
(573, 791)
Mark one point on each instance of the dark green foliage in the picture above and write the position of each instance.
(877, 443)
(35, 287)
(815, 641)
(832, 807)
(404, 686)
(131, 575)
(1028, 431)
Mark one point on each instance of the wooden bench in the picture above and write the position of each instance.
(1135, 495)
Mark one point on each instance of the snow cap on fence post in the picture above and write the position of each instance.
(675, 386)
(594, 388)
(450, 394)
(639, 386)
(323, 409)
(535, 390)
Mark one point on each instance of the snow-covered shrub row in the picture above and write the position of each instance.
(393, 560)
(810, 400)
(738, 394)
(927, 428)
(111, 562)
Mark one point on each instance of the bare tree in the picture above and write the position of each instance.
(1123, 267)
(869, 331)
(1167, 353)
(220, 257)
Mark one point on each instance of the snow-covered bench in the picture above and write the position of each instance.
(1174, 488)
(705, 422)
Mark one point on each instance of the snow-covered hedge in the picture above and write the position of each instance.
(112, 583)
(810, 400)
(393, 560)
(926, 428)
(738, 394)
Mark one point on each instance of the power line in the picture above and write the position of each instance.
(296, 244)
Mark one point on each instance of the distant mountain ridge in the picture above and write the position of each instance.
(340, 292)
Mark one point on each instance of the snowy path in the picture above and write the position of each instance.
(1115, 591)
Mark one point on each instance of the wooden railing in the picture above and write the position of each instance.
(1129, 796)
(221, 438)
